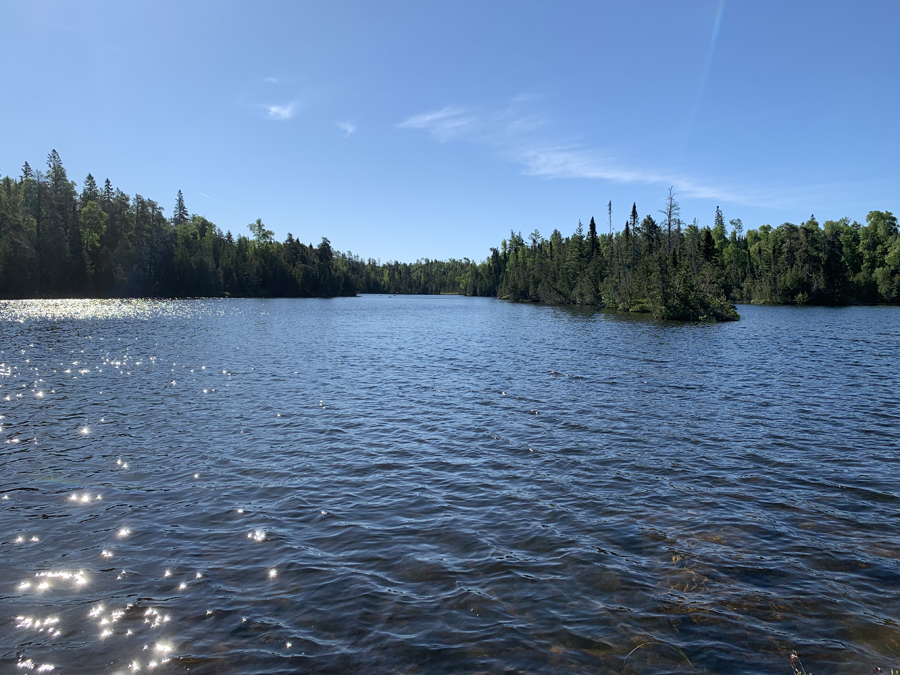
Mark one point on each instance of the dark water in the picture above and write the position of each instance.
(446, 485)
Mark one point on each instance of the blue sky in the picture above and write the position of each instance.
(403, 130)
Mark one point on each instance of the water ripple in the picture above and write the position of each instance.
(440, 484)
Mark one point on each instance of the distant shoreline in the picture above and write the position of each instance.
(101, 243)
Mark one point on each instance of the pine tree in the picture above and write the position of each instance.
(633, 221)
(90, 193)
(720, 219)
(53, 161)
(592, 237)
(650, 232)
(180, 214)
(59, 233)
(26, 171)
(707, 245)
(718, 231)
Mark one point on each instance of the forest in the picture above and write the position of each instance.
(58, 242)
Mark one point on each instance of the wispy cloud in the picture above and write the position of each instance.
(488, 127)
(281, 112)
(346, 127)
(516, 135)
(573, 162)
(275, 103)
(444, 124)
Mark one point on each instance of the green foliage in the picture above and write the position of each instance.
(646, 268)
(92, 225)
(839, 263)
(180, 214)
(55, 242)
(258, 230)
(696, 273)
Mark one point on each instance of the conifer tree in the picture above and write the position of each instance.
(592, 237)
(90, 193)
(59, 236)
(180, 214)
(633, 221)
(720, 219)
(718, 231)
(707, 245)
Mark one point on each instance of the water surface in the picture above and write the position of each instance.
(443, 484)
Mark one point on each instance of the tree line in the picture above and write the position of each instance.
(58, 242)
(682, 271)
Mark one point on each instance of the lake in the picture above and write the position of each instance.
(427, 484)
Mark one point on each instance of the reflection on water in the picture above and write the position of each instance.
(445, 484)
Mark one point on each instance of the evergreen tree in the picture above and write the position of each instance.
(650, 233)
(180, 214)
(718, 231)
(634, 220)
(708, 245)
(92, 225)
(89, 192)
(720, 219)
(593, 242)
(59, 236)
